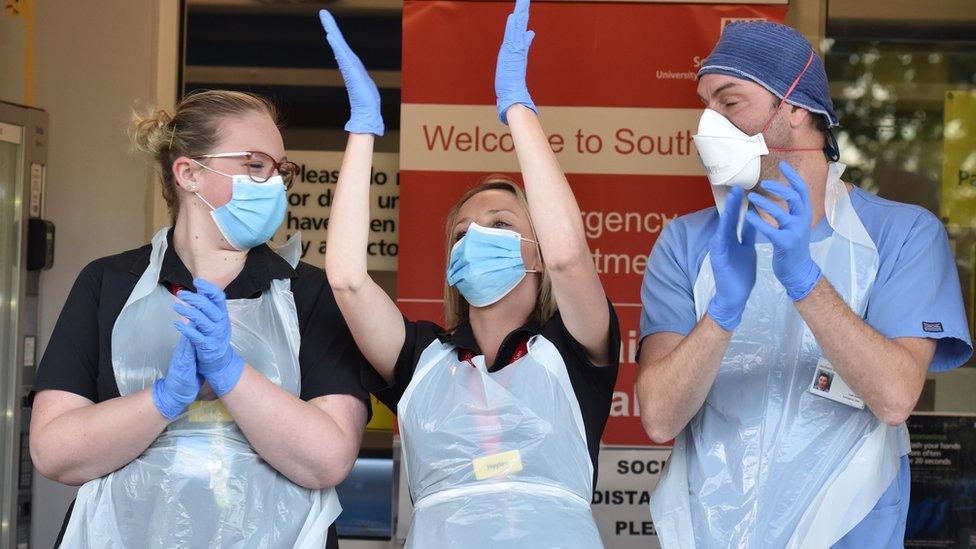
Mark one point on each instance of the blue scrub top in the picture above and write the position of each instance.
(916, 294)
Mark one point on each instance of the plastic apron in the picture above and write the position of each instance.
(496, 458)
(201, 484)
(766, 463)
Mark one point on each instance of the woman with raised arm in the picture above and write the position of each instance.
(501, 412)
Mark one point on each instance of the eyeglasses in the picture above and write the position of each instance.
(260, 166)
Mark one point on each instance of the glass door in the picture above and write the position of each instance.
(11, 222)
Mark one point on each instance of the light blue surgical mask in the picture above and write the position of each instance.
(254, 212)
(486, 264)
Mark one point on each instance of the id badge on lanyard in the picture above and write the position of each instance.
(495, 463)
(828, 384)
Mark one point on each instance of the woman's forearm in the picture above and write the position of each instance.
(313, 447)
(348, 234)
(74, 441)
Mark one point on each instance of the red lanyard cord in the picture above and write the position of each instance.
(467, 355)
(488, 424)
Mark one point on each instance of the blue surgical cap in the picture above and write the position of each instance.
(773, 55)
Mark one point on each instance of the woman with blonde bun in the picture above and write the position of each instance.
(179, 388)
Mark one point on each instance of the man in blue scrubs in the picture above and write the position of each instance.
(793, 273)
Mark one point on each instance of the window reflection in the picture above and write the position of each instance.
(891, 98)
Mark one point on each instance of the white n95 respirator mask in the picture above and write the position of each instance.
(731, 157)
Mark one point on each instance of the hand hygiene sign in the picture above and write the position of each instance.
(310, 201)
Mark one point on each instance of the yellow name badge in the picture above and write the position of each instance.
(497, 465)
(209, 411)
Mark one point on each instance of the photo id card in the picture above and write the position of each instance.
(828, 384)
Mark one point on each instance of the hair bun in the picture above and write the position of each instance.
(151, 134)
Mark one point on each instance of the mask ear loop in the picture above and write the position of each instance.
(782, 102)
(538, 248)
(536, 242)
(535, 271)
(204, 200)
(204, 166)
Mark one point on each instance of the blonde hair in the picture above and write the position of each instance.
(193, 129)
(456, 308)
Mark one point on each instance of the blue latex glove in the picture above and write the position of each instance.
(792, 263)
(174, 392)
(364, 98)
(513, 58)
(733, 264)
(209, 331)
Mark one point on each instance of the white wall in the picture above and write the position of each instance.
(94, 61)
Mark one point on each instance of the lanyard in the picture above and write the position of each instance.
(174, 288)
(467, 355)
(487, 425)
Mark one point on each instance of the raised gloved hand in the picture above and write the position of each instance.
(733, 264)
(513, 59)
(364, 97)
(209, 331)
(174, 392)
(792, 263)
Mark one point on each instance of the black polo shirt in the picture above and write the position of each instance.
(78, 358)
(593, 385)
